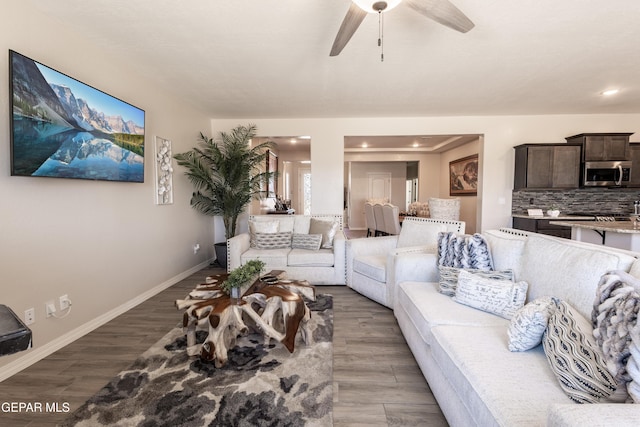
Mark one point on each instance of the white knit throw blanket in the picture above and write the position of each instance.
(616, 328)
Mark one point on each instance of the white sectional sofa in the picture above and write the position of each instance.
(463, 352)
(324, 266)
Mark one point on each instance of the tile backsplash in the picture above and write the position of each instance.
(587, 200)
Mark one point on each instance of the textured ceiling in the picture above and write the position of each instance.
(270, 58)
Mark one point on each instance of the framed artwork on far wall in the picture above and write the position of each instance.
(463, 176)
(272, 166)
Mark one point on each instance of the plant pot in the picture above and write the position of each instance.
(221, 253)
(235, 293)
(553, 213)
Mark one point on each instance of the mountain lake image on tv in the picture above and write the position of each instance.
(63, 128)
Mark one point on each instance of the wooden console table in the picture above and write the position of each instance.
(276, 310)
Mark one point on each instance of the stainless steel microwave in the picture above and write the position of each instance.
(606, 174)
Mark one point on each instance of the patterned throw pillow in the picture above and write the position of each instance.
(328, 229)
(574, 357)
(501, 297)
(261, 227)
(615, 319)
(310, 242)
(529, 323)
(273, 240)
(449, 277)
(464, 251)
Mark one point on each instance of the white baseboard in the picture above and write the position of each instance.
(45, 350)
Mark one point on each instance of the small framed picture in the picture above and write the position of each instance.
(463, 176)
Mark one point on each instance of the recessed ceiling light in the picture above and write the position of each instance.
(293, 141)
(416, 145)
(609, 92)
(365, 145)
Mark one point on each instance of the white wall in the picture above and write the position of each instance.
(468, 204)
(105, 244)
(496, 157)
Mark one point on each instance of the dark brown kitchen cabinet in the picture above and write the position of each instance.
(603, 146)
(541, 226)
(634, 155)
(541, 166)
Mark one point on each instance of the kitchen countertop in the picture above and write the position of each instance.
(552, 218)
(611, 226)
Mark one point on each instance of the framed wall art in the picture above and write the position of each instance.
(463, 176)
(164, 172)
(63, 128)
(272, 166)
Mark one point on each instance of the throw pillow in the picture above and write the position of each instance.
(575, 359)
(614, 317)
(633, 365)
(310, 242)
(328, 229)
(449, 277)
(420, 233)
(529, 323)
(261, 227)
(464, 251)
(501, 297)
(273, 240)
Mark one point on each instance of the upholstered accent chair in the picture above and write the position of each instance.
(376, 266)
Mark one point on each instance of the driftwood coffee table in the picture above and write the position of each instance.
(276, 310)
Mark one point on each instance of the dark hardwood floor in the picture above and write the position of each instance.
(376, 379)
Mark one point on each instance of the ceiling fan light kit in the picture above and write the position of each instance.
(442, 11)
(374, 6)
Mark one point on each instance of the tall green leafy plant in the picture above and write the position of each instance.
(227, 174)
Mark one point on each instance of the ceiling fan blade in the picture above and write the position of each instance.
(443, 12)
(350, 24)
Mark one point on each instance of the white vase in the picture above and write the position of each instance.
(554, 213)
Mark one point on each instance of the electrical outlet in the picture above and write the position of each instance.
(65, 303)
(50, 308)
(30, 316)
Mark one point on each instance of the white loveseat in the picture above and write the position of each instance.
(376, 265)
(463, 352)
(324, 266)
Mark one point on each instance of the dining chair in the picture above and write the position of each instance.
(391, 219)
(444, 208)
(379, 218)
(369, 219)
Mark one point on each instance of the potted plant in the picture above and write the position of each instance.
(241, 277)
(227, 174)
(553, 211)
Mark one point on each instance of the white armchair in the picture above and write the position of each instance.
(376, 266)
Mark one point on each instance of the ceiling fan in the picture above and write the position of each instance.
(441, 11)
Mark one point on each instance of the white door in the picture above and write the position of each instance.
(379, 186)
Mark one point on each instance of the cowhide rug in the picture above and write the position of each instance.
(261, 385)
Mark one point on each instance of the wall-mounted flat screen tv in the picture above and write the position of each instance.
(63, 128)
